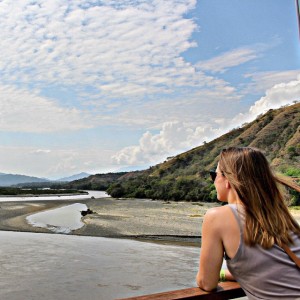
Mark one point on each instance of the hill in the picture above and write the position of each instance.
(94, 182)
(74, 177)
(14, 179)
(184, 177)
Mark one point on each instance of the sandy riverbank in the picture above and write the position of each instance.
(125, 218)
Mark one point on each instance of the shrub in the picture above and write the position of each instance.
(292, 171)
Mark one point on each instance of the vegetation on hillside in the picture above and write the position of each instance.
(185, 176)
(94, 182)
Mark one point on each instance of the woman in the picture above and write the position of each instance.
(250, 231)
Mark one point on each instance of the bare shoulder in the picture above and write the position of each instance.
(217, 212)
(215, 216)
(213, 222)
(218, 221)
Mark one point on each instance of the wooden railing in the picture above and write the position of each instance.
(225, 290)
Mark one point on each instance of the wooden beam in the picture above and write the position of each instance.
(225, 290)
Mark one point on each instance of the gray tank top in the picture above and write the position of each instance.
(265, 274)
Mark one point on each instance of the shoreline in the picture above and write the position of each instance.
(139, 219)
(165, 222)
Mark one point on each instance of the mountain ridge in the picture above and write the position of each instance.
(74, 177)
(14, 179)
(184, 176)
(7, 179)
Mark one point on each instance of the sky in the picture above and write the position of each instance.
(103, 86)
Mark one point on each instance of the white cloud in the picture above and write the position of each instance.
(26, 112)
(54, 163)
(279, 95)
(261, 81)
(41, 151)
(123, 49)
(130, 52)
(233, 58)
(176, 137)
(187, 106)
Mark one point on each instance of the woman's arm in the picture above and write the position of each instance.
(212, 250)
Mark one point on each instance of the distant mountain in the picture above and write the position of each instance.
(14, 179)
(75, 177)
(95, 182)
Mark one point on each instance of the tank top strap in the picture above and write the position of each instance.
(238, 212)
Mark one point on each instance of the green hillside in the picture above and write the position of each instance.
(184, 177)
(93, 182)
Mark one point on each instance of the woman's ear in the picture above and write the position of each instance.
(227, 185)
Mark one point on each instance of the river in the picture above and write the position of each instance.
(95, 194)
(53, 266)
(57, 266)
(59, 220)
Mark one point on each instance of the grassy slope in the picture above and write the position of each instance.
(276, 133)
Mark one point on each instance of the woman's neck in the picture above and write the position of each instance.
(233, 197)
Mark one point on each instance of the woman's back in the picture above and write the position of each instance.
(244, 179)
(265, 273)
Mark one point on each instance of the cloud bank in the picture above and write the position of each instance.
(223, 62)
(108, 53)
(53, 163)
(128, 49)
(29, 112)
(178, 137)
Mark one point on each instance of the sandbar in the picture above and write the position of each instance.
(141, 219)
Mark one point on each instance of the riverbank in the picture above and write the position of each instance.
(166, 221)
(140, 219)
(124, 218)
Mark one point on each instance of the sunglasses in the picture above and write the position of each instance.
(213, 174)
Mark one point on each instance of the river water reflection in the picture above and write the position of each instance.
(54, 266)
(59, 220)
(95, 194)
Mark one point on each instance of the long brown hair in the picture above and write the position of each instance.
(267, 218)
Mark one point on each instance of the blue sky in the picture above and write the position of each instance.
(100, 86)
